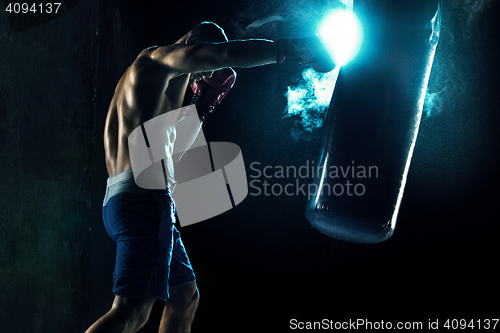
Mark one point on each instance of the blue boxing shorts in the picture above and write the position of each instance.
(142, 223)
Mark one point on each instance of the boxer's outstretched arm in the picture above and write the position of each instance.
(205, 57)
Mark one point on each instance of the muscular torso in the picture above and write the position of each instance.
(145, 91)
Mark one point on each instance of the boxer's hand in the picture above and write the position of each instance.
(209, 91)
(307, 50)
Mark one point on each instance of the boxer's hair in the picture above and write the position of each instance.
(209, 32)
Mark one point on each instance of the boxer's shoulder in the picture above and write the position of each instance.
(146, 70)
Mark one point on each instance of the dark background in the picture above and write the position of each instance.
(260, 264)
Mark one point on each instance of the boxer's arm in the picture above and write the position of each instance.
(185, 59)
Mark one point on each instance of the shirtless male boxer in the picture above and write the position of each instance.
(141, 221)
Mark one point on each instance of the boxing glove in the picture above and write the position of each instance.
(307, 50)
(209, 91)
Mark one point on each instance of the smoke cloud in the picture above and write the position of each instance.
(471, 10)
(310, 97)
(448, 79)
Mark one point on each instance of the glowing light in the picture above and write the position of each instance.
(342, 35)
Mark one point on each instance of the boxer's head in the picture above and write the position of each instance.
(205, 32)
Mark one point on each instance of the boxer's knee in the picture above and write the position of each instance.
(184, 298)
(134, 312)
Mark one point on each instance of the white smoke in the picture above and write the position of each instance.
(310, 97)
(471, 10)
(447, 78)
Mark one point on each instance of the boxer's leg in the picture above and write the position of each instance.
(127, 315)
(132, 219)
(179, 310)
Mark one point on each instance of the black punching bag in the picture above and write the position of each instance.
(373, 120)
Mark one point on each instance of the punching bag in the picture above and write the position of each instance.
(373, 121)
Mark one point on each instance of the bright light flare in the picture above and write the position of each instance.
(342, 34)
